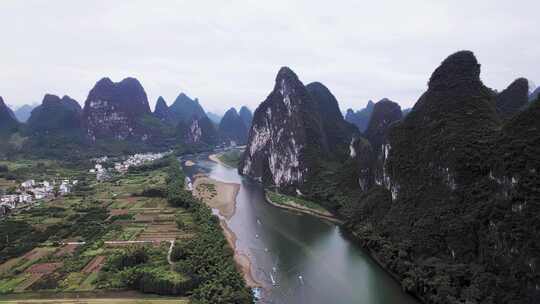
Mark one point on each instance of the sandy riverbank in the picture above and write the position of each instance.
(223, 198)
(242, 260)
(215, 158)
(217, 195)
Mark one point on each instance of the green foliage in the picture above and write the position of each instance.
(176, 194)
(130, 257)
(164, 283)
(121, 217)
(231, 158)
(179, 222)
(145, 269)
(18, 237)
(207, 257)
(283, 199)
(332, 184)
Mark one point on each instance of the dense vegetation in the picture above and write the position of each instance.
(207, 258)
(456, 216)
(231, 158)
(144, 268)
(203, 266)
(115, 210)
(282, 199)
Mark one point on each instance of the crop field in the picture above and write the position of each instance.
(62, 245)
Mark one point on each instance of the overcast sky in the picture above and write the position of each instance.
(227, 53)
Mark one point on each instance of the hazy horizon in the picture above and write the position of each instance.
(228, 54)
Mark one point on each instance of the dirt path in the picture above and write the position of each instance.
(169, 253)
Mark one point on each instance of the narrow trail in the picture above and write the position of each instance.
(110, 242)
(169, 253)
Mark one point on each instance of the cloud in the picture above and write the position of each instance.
(228, 52)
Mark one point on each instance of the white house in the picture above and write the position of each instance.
(64, 188)
(28, 184)
(25, 198)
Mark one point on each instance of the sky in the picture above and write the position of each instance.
(227, 53)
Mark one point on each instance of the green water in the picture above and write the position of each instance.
(300, 258)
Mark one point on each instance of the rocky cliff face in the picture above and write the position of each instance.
(246, 115)
(289, 135)
(385, 113)
(232, 127)
(513, 98)
(360, 118)
(56, 115)
(113, 110)
(8, 122)
(198, 131)
(372, 155)
(453, 213)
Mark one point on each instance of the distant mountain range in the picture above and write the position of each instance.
(116, 116)
(534, 95)
(232, 128)
(56, 114)
(215, 118)
(23, 112)
(361, 117)
(246, 115)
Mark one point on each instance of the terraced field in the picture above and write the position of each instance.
(84, 228)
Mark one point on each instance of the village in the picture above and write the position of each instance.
(121, 167)
(30, 191)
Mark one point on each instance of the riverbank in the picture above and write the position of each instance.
(400, 265)
(217, 195)
(229, 158)
(215, 158)
(222, 197)
(292, 206)
(242, 260)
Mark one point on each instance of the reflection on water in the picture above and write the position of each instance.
(300, 258)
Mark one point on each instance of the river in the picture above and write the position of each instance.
(300, 258)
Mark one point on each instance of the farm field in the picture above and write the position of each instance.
(62, 245)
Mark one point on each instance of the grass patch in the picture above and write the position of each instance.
(287, 200)
(230, 158)
(8, 285)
